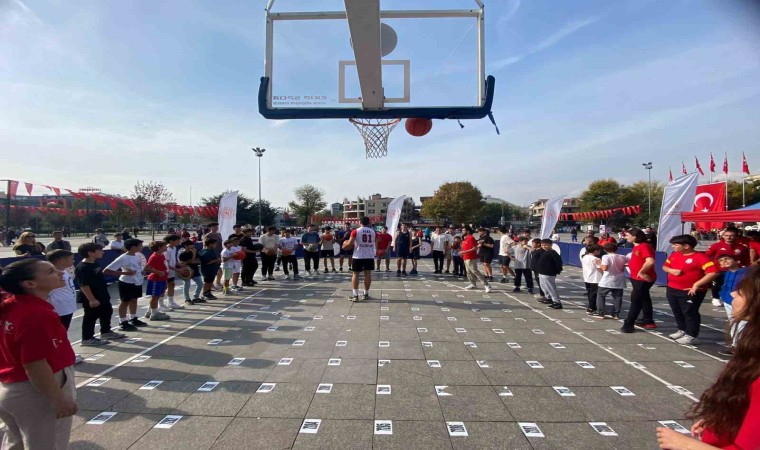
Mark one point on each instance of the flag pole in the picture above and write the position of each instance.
(744, 202)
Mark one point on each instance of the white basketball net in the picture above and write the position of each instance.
(375, 133)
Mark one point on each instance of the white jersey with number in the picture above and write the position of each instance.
(364, 243)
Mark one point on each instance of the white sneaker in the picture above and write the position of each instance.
(164, 309)
(173, 305)
(677, 335)
(488, 288)
(686, 340)
(78, 359)
(717, 302)
(470, 286)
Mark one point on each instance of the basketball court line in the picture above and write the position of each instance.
(164, 341)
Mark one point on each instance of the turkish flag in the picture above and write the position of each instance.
(745, 166)
(683, 168)
(710, 197)
(712, 163)
(671, 175)
(699, 167)
(725, 164)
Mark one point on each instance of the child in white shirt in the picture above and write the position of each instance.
(64, 299)
(591, 274)
(237, 265)
(613, 281)
(228, 265)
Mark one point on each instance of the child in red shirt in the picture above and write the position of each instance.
(689, 275)
(37, 384)
(157, 279)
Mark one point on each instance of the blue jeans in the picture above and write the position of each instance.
(198, 287)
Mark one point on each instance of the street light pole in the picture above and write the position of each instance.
(259, 153)
(648, 167)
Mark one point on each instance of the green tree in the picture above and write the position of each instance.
(151, 198)
(602, 194)
(457, 201)
(638, 194)
(122, 216)
(247, 209)
(751, 193)
(309, 200)
(490, 214)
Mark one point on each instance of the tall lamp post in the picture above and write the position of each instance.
(648, 167)
(259, 153)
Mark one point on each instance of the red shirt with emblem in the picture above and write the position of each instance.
(739, 250)
(693, 267)
(638, 256)
(157, 261)
(468, 243)
(754, 245)
(384, 241)
(30, 330)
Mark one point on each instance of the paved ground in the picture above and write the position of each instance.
(426, 364)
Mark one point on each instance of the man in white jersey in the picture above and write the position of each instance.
(363, 241)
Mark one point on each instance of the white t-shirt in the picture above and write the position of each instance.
(171, 260)
(117, 245)
(504, 244)
(614, 276)
(64, 299)
(230, 263)
(591, 273)
(289, 243)
(439, 242)
(129, 262)
(364, 243)
(237, 265)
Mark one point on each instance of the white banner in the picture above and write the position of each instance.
(394, 215)
(227, 213)
(552, 208)
(677, 197)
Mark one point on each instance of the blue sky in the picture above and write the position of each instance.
(107, 93)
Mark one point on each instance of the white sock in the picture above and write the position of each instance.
(356, 292)
(366, 292)
(171, 299)
(153, 311)
(123, 319)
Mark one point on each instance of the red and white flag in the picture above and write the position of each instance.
(725, 165)
(712, 163)
(670, 174)
(29, 187)
(699, 168)
(710, 197)
(683, 168)
(12, 188)
(745, 166)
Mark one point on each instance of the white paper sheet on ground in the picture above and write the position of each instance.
(208, 386)
(101, 418)
(506, 392)
(427, 344)
(471, 344)
(422, 330)
(214, 342)
(168, 421)
(684, 364)
(383, 362)
(603, 429)
(585, 364)
(140, 359)
(236, 361)
(285, 361)
(266, 388)
(563, 391)
(383, 389)
(383, 344)
(557, 345)
(622, 390)
(675, 426)
(98, 382)
(324, 388)
(383, 427)
(310, 426)
(333, 362)
(341, 343)
(150, 385)
(434, 363)
(513, 345)
(530, 429)
(534, 364)
(298, 343)
(456, 429)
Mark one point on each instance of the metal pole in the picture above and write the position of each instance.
(8, 206)
(649, 200)
(744, 200)
(260, 194)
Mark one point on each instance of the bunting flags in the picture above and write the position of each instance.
(602, 214)
(29, 187)
(670, 174)
(683, 168)
(745, 166)
(712, 163)
(699, 168)
(12, 188)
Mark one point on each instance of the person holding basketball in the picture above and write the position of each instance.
(402, 246)
(343, 236)
(362, 241)
(288, 245)
(327, 240)
(383, 249)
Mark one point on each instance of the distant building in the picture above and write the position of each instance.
(336, 209)
(375, 206)
(569, 205)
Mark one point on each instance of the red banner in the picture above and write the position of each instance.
(710, 197)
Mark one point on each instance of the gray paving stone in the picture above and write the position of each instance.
(299, 371)
(258, 433)
(571, 436)
(414, 435)
(355, 349)
(402, 349)
(539, 404)
(227, 399)
(161, 400)
(414, 372)
(287, 400)
(459, 372)
(190, 432)
(345, 401)
(513, 373)
(500, 435)
(408, 402)
(473, 403)
(101, 398)
(120, 432)
(338, 434)
(362, 371)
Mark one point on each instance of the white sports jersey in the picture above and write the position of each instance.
(364, 243)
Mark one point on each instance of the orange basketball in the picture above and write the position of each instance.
(239, 255)
(348, 246)
(286, 252)
(418, 127)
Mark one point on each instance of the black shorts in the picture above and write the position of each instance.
(209, 273)
(170, 279)
(403, 254)
(486, 258)
(504, 260)
(344, 252)
(129, 291)
(360, 265)
(415, 254)
(328, 253)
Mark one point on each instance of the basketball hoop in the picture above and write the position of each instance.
(375, 133)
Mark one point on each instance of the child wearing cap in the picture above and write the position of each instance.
(732, 275)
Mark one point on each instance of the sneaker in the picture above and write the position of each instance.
(316, 271)
(199, 300)
(686, 340)
(470, 286)
(126, 326)
(615, 317)
(446, 271)
(366, 296)
(354, 298)
(516, 289)
(277, 269)
(113, 335)
(488, 288)
(725, 352)
(207, 296)
(717, 302)
(398, 273)
(530, 291)
(164, 308)
(137, 322)
(597, 315)
(270, 278)
(189, 302)
(94, 342)
(627, 328)
(503, 280)
(403, 273)
(160, 316)
(296, 277)
(677, 335)
(341, 268)
(387, 270)
(413, 272)
(650, 326)
(175, 306)
(335, 271)
(147, 314)
(589, 311)
(555, 306)
(78, 359)
(545, 301)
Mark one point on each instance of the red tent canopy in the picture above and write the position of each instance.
(749, 214)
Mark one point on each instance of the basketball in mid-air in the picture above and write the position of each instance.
(418, 127)
(239, 255)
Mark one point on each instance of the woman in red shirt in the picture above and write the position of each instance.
(37, 391)
(643, 276)
(729, 412)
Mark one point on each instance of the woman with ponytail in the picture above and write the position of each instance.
(37, 392)
(728, 414)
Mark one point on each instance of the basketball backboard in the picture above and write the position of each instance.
(375, 59)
